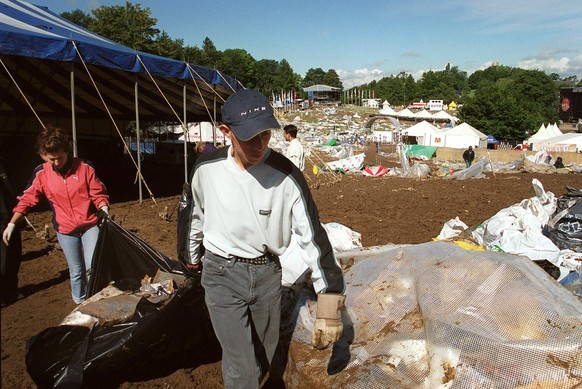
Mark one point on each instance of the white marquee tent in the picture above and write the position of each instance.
(553, 143)
(405, 113)
(423, 114)
(387, 110)
(426, 134)
(445, 116)
(543, 133)
(463, 136)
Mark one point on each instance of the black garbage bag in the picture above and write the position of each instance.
(72, 356)
(565, 226)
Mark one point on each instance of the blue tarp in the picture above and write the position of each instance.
(34, 31)
(491, 140)
(51, 59)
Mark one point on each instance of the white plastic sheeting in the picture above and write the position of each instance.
(293, 260)
(353, 163)
(437, 316)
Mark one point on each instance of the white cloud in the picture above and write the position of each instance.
(564, 66)
(359, 76)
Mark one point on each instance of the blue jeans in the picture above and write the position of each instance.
(78, 248)
(244, 302)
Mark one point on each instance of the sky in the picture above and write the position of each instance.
(368, 40)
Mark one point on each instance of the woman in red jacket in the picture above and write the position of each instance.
(75, 194)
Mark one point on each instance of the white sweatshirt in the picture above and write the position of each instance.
(243, 212)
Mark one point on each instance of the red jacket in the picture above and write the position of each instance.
(73, 198)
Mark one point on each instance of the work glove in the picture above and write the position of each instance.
(103, 214)
(8, 233)
(328, 326)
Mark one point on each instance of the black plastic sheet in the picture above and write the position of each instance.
(78, 356)
(565, 227)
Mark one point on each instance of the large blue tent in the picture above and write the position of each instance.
(53, 72)
(51, 61)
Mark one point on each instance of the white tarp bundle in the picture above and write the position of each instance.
(353, 163)
(293, 260)
(518, 229)
(435, 315)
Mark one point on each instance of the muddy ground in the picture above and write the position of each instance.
(382, 209)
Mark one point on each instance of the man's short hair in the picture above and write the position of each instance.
(291, 129)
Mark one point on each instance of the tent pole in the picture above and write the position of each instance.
(214, 118)
(137, 131)
(185, 136)
(73, 120)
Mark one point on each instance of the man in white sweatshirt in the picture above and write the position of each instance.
(295, 149)
(247, 202)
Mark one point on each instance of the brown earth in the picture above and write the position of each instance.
(383, 209)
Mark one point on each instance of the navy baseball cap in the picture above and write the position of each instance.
(248, 113)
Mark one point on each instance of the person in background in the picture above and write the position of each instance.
(559, 164)
(204, 147)
(11, 254)
(247, 202)
(77, 198)
(469, 156)
(295, 150)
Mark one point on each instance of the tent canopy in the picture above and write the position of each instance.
(321, 88)
(463, 136)
(52, 59)
(491, 140)
(422, 129)
(544, 132)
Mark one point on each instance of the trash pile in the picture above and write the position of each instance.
(435, 315)
(144, 309)
(541, 228)
(473, 309)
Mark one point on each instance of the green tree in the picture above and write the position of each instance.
(238, 63)
(512, 104)
(266, 70)
(284, 78)
(397, 90)
(314, 76)
(446, 85)
(331, 78)
(129, 25)
(167, 47)
(490, 75)
(210, 54)
(193, 55)
(78, 17)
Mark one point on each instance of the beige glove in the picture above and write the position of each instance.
(8, 233)
(328, 326)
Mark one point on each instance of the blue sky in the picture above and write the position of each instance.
(367, 40)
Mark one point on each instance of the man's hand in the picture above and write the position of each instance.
(194, 266)
(328, 326)
(8, 233)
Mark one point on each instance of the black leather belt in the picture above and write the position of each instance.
(262, 260)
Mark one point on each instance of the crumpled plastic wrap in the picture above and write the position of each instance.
(435, 315)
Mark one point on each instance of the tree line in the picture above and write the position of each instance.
(509, 103)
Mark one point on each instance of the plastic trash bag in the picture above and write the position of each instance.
(79, 355)
(565, 226)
